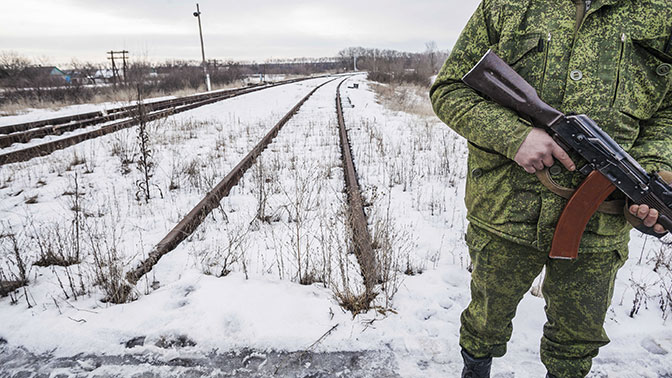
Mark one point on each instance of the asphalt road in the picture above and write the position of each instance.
(16, 362)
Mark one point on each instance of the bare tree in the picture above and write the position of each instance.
(12, 63)
(397, 66)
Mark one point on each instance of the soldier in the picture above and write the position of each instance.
(609, 59)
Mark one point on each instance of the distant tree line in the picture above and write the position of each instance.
(26, 81)
(388, 66)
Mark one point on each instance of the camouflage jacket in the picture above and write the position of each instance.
(613, 65)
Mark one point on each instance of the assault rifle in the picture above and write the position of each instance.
(608, 166)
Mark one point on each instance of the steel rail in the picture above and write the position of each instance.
(7, 287)
(361, 237)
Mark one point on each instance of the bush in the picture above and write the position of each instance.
(380, 77)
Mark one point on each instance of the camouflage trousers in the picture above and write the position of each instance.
(577, 294)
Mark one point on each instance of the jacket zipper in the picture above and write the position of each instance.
(543, 73)
(618, 71)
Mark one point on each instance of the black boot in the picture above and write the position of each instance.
(475, 367)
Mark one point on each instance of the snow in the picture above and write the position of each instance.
(242, 313)
(412, 171)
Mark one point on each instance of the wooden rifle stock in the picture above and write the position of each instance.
(501, 83)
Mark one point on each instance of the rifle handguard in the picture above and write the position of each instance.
(636, 222)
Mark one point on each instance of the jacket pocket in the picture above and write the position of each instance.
(483, 160)
(496, 193)
(526, 53)
(645, 77)
(512, 48)
(477, 240)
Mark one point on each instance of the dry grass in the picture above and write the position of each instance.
(409, 98)
(355, 303)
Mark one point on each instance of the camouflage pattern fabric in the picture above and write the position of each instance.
(615, 68)
(577, 293)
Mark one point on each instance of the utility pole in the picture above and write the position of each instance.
(123, 56)
(375, 66)
(114, 67)
(115, 71)
(197, 14)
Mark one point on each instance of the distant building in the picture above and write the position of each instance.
(104, 73)
(103, 76)
(43, 75)
(79, 77)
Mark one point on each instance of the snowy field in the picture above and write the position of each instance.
(255, 290)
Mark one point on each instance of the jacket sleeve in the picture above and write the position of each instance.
(480, 121)
(653, 147)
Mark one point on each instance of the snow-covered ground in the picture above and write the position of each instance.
(235, 286)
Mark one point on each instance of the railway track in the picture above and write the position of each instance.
(357, 217)
(25, 132)
(211, 200)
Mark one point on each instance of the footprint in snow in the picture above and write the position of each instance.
(453, 278)
(446, 304)
(506, 374)
(652, 346)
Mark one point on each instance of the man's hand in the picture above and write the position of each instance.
(538, 151)
(648, 216)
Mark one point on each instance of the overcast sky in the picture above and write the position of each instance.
(59, 30)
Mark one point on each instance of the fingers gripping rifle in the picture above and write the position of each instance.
(608, 166)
